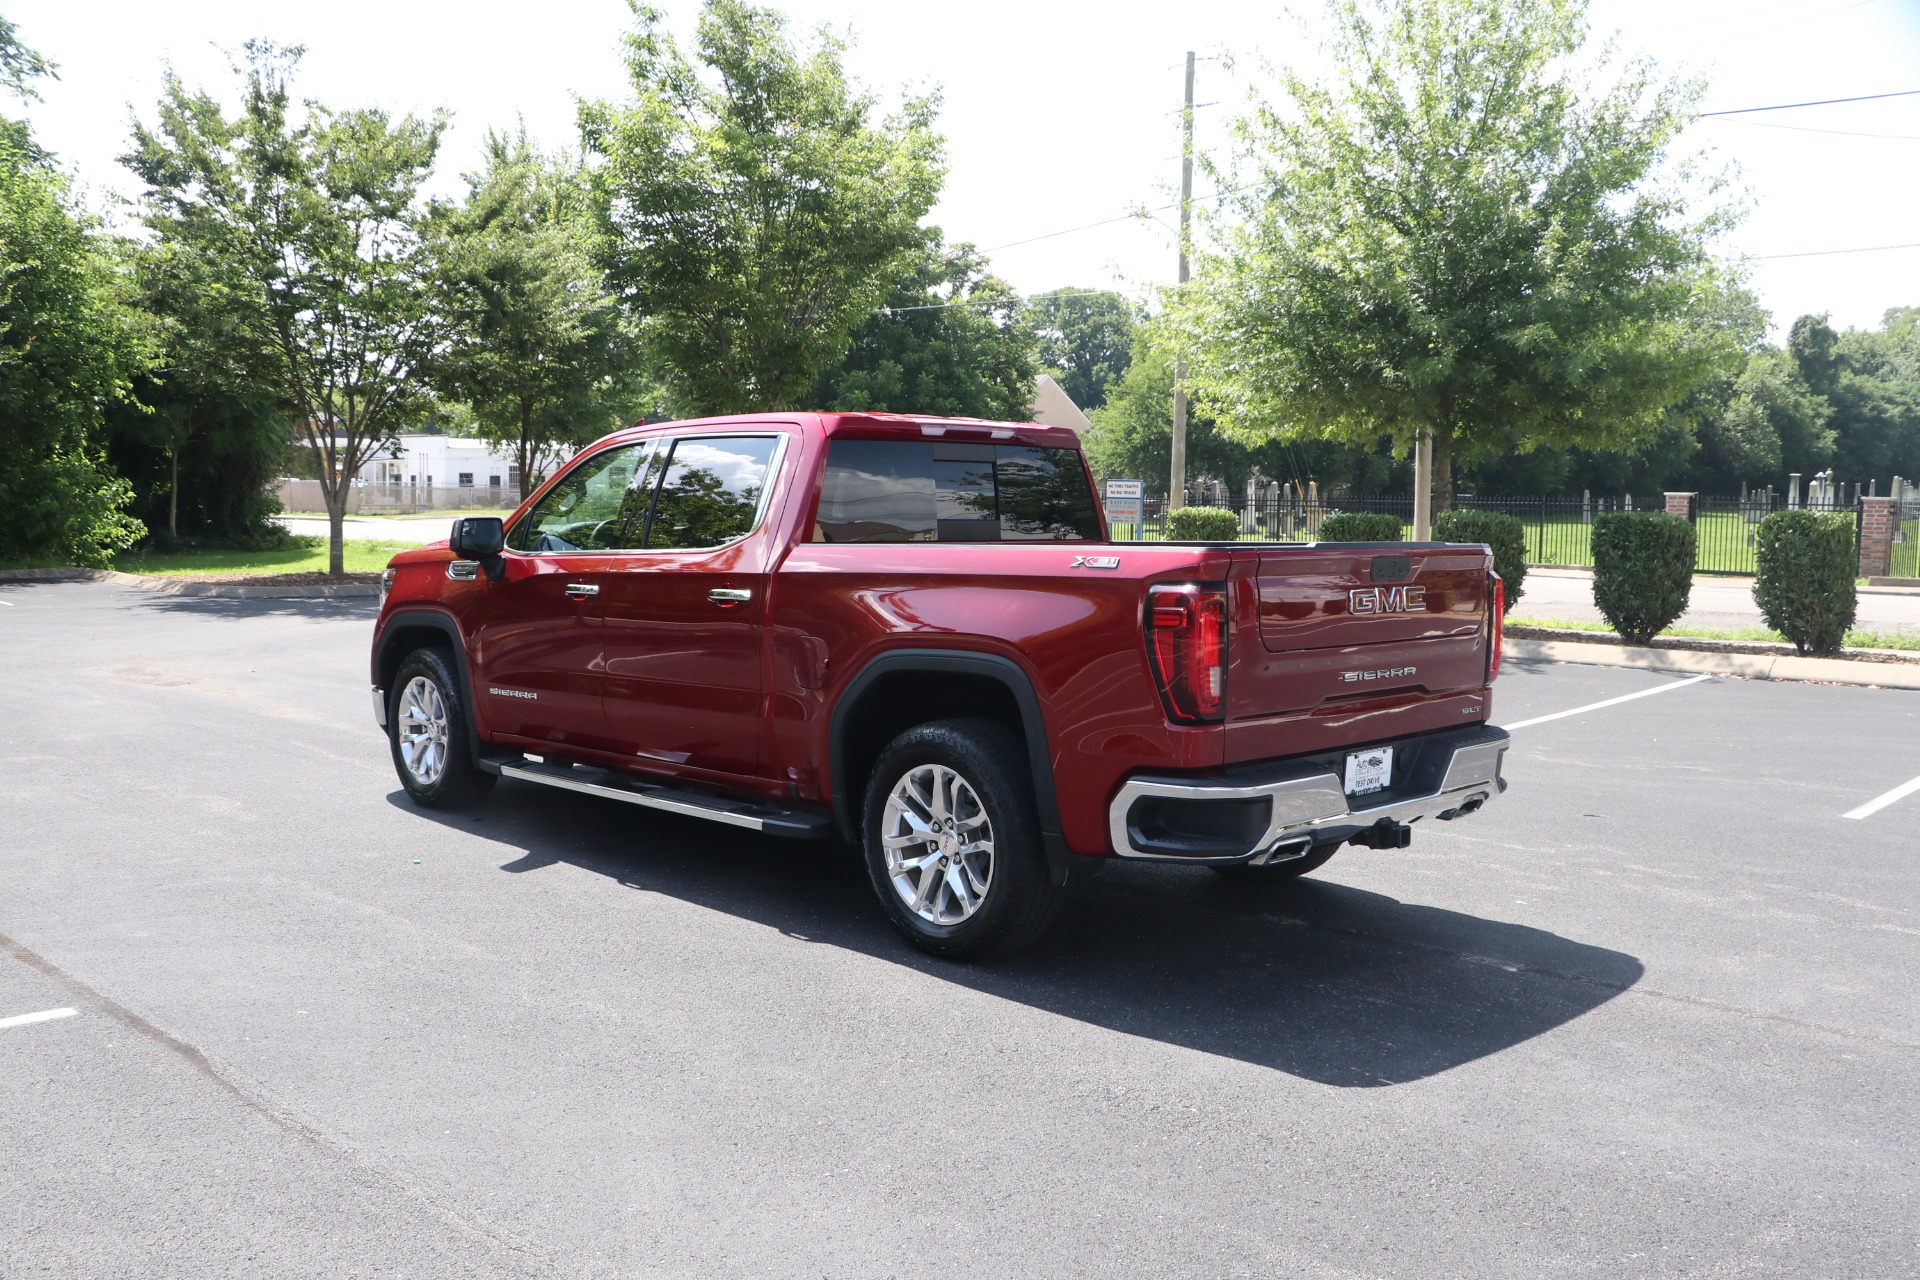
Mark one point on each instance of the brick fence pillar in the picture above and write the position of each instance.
(1682, 504)
(1878, 520)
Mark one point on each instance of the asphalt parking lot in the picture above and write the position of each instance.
(1652, 1014)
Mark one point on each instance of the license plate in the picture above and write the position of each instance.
(1369, 770)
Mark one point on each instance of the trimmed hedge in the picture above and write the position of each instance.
(1361, 526)
(1504, 533)
(1805, 587)
(1203, 524)
(1642, 571)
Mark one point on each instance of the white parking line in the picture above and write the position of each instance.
(28, 1019)
(1610, 702)
(1880, 802)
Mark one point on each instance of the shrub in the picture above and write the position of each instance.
(1805, 586)
(1642, 571)
(1203, 524)
(1504, 533)
(1362, 526)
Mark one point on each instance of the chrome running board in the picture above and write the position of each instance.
(797, 824)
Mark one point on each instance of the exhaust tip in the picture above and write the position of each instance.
(1287, 850)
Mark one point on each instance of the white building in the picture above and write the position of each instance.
(447, 462)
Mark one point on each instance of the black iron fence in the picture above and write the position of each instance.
(1559, 530)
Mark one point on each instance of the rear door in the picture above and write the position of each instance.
(1319, 625)
(684, 613)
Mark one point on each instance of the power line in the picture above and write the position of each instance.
(1778, 26)
(1141, 214)
(1827, 253)
(1841, 133)
(1001, 302)
(1823, 102)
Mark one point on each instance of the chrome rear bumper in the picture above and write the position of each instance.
(1441, 775)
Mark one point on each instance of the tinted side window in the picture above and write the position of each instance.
(926, 491)
(588, 510)
(711, 491)
(1044, 496)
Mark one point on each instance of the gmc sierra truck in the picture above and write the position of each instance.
(916, 635)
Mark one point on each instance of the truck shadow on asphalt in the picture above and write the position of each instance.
(1326, 982)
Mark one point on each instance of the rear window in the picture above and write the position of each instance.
(933, 491)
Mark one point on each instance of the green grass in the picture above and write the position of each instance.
(308, 557)
(1906, 555)
(1855, 639)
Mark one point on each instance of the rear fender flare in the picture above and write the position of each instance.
(1005, 671)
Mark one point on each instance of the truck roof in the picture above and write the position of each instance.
(881, 426)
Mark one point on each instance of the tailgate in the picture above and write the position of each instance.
(1319, 625)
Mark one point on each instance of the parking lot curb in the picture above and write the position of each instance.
(1747, 666)
(214, 590)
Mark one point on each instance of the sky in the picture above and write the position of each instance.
(1059, 115)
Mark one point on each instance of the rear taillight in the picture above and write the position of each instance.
(1187, 645)
(1497, 623)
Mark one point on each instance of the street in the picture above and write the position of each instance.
(1650, 1014)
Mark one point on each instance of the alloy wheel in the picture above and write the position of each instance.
(938, 843)
(421, 731)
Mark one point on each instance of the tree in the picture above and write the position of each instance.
(1870, 379)
(1456, 237)
(1133, 436)
(538, 349)
(1133, 431)
(1086, 341)
(1772, 424)
(305, 227)
(953, 341)
(69, 347)
(756, 217)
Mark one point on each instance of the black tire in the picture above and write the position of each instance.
(1291, 870)
(458, 781)
(1019, 899)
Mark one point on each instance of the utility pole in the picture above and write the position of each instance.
(1176, 498)
(1423, 488)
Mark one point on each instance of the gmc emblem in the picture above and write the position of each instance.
(1387, 600)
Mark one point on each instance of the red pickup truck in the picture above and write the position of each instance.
(915, 634)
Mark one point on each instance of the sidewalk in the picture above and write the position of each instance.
(1717, 603)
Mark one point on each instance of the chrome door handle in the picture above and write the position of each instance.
(581, 590)
(729, 595)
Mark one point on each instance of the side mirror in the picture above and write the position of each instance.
(479, 538)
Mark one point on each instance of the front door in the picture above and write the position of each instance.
(538, 645)
(683, 615)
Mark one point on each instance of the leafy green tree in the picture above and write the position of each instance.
(1086, 340)
(538, 348)
(1456, 234)
(207, 431)
(69, 347)
(305, 225)
(1870, 379)
(953, 340)
(19, 65)
(1133, 437)
(1132, 432)
(1771, 425)
(754, 217)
